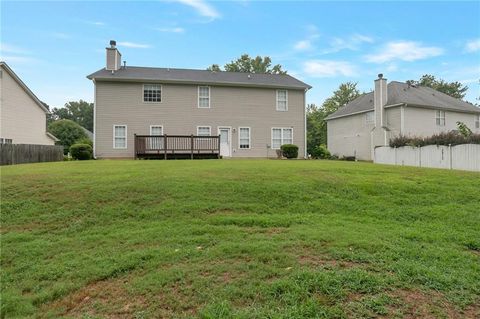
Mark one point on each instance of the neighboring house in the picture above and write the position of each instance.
(391, 109)
(22, 114)
(87, 132)
(254, 114)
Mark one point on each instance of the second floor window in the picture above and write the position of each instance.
(152, 93)
(477, 121)
(440, 118)
(370, 117)
(282, 100)
(204, 96)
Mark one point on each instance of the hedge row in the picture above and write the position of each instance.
(445, 138)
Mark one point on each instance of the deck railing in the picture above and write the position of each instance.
(170, 145)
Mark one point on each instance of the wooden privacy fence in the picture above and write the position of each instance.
(462, 157)
(176, 146)
(29, 153)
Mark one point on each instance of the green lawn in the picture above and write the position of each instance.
(238, 238)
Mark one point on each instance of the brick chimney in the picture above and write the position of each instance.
(114, 58)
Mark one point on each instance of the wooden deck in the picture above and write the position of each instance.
(176, 146)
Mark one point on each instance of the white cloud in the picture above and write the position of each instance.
(352, 42)
(472, 46)
(97, 23)
(172, 30)
(8, 48)
(303, 45)
(60, 35)
(405, 51)
(307, 43)
(134, 45)
(328, 68)
(202, 7)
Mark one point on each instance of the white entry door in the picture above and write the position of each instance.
(225, 141)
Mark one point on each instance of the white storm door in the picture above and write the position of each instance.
(225, 141)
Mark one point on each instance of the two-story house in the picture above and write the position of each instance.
(23, 117)
(254, 114)
(392, 109)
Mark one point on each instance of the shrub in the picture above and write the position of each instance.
(81, 151)
(444, 138)
(67, 132)
(84, 140)
(289, 150)
(321, 151)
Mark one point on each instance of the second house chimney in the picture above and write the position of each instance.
(380, 100)
(114, 58)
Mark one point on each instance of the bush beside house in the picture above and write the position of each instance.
(81, 151)
(289, 150)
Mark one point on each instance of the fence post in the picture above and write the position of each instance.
(419, 156)
(395, 154)
(165, 146)
(450, 157)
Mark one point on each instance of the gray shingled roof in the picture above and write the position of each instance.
(402, 93)
(135, 73)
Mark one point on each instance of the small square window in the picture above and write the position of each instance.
(203, 131)
(370, 117)
(152, 93)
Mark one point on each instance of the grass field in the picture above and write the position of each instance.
(238, 239)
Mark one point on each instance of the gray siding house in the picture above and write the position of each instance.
(254, 114)
(23, 117)
(395, 108)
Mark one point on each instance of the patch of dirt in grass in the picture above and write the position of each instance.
(109, 298)
(419, 304)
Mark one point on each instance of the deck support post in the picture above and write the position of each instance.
(135, 145)
(218, 153)
(191, 146)
(165, 146)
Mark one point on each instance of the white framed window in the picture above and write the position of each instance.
(156, 130)
(120, 136)
(370, 117)
(152, 93)
(281, 136)
(244, 138)
(477, 121)
(6, 141)
(204, 130)
(440, 118)
(204, 97)
(282, 100)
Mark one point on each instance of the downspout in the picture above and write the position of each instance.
(94, 118)
(305, 124)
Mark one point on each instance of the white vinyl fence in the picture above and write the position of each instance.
(462, 157)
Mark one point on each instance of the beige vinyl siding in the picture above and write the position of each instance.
(122, 103)
(422, 121)
(21, 118)
(350, 136)
(394, 120)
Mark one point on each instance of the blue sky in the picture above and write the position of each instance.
(52, 46)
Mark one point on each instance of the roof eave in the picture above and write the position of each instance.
(443, 108)
(137, 80)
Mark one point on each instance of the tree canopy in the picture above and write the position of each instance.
(68, 132)
(81, 112)
(316, 124)
(454, 89)
(247, 64)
